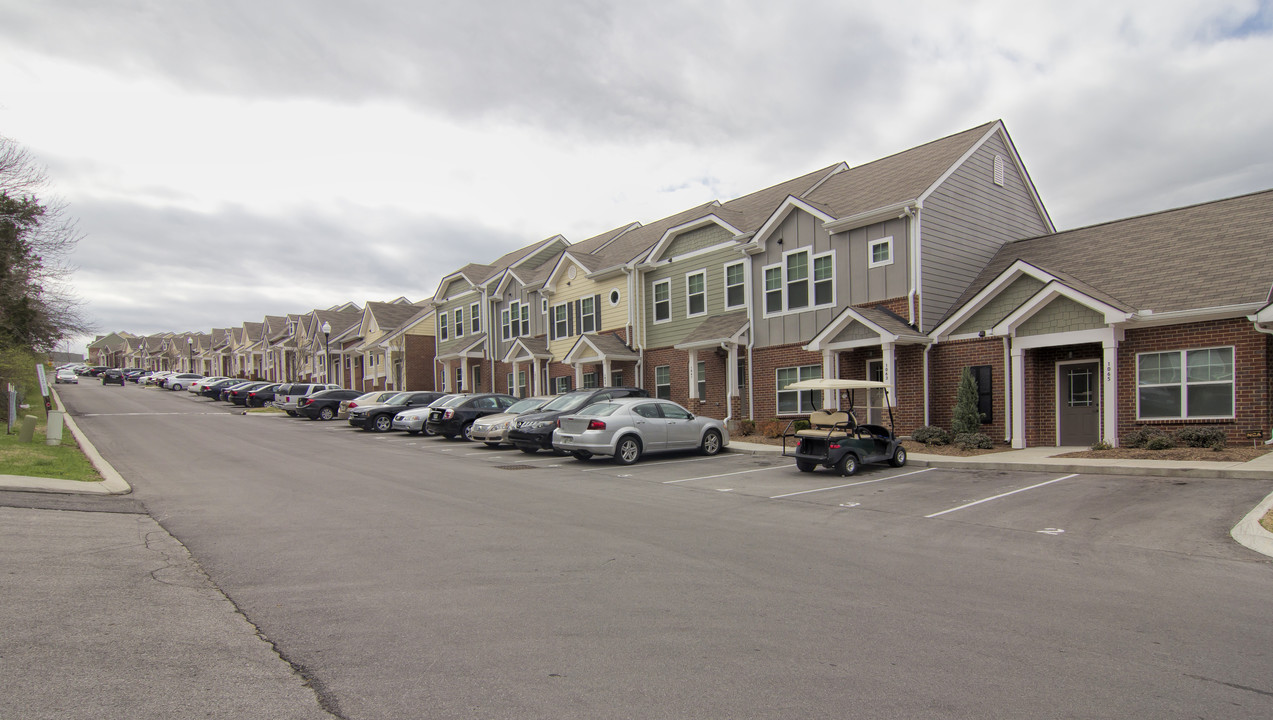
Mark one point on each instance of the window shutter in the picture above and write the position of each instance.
(552, 326)
(596, 313)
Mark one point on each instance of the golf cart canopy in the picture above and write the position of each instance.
(836, 384)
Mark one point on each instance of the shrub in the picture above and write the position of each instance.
(1200, 437)
(1102, 445)
(746, 427)
(931, 435)
(770, 428)
(1140, 437)
(973, 441)
(966, 418)
(1160, 442)
(800, 425)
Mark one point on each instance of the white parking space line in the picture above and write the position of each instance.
(656, 464)
(838, 487)
(1003, 495)
(709, 477)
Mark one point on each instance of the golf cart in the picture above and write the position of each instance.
(835, 439)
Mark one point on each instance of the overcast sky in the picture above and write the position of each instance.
(231, 159)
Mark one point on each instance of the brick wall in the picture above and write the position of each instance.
(1040, 388)
(947, 362)
(765, 364)
(715, 402)
(418, 370)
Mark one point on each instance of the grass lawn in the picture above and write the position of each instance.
(1267, 521)
(36, 459)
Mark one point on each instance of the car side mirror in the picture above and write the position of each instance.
(691, 417)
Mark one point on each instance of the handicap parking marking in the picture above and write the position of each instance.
(1001, 495)
(854, 484)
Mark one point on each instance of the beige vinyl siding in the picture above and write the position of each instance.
(612, 317)
(966, 220)
(674, 330)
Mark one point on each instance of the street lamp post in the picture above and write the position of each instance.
(189, 354)
(327, 349)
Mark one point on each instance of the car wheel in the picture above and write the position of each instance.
(175, 388)
(581, 455)
(847, 465)
(806, 465)
(628, 451)
(530, 450)
(899, 457)
(413, 432)
(468, 432)
(291, 413)
(382, 423)
(448, 436)
(492, 444)
(326, 414)
(711, 443)
(425, 429)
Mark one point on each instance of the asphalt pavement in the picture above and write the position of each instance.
(106, 614)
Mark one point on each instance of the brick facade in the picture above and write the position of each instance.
(418, 371)
(715, 402)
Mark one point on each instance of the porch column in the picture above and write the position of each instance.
(1109, 392)
(693, 375)
(537, 382)
(578, 375)
(514, 386)
(890, 376)
(830, 398)
(1018, 397)
(731, 371)
(605, 372)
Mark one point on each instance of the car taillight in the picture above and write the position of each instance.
(596, 425)
(353, 405)
(251, 394)
(305, 402)
(448, 414)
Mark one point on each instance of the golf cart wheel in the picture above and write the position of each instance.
(899, 457)
(806, 465)
(848, 465)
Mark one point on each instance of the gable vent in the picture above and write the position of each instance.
(999, 170)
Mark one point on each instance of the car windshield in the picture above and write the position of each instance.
(454, 401)
(599, 410)
(399, 399)
(524, 406)
(567, 402)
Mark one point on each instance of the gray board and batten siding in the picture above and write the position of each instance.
(966, 220)
(514, 291)
(855, 282)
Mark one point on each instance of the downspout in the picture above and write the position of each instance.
(751, 338)
(916, 317)
(927, 397)
(729, 396)
(1007, 389)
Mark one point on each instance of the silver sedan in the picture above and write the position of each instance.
(627, 428)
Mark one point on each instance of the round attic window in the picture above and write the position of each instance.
(614, 297)
(571, 272)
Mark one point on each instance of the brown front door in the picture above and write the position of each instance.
(1078, 403)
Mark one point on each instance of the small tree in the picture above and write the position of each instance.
(967, 419)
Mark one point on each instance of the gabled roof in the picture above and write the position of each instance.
(423, 312)
(716, 330)
(389, 317)
(1209, 255)
(599, 347)
(527, 348)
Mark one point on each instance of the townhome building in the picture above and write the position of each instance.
(412, 348)
(109, 350)
(274, 336)
(324, 339)
(217, 356)
(1161, 320)
(377, 367)
(464, 304)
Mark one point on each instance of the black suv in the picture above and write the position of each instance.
(533, 432)
(325, 404)
(379, 418)
(455, 417)
(112, 376)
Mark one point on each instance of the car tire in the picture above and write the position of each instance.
(806, 465)
(380, 423)
(413, 432)
(848, 465)
(581, 455)
(326, 414)
(627, 451)
(427, 432)
(291, 413)
(899, 457)
(448, 436)
(529, 450)
(492, 445)
(711, 443)
(467, 432)
(175, 388)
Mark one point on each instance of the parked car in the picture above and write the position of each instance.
(286, 398)
(213, 390)
(493, 429)
(413, 420)
(155, 378)
(325, 404)
(456, 417)
(376, 397)
(379, 418)
(197, 386)
(533, 432)
(179, 380)
(66, 376)
(262, 396)
(627, 428)
(112, 377)
(240, 385)
(95, 371)
(239, 395)
(135, 375)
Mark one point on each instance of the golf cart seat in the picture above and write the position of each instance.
(823, 424)
(874, 431)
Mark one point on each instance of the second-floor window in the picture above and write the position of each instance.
(459, 322)
(696, 294)
(587, 315)
(561, 321)
(800, 282)
(443, 326)
(735, 290)
(475, 318)
(662, 300)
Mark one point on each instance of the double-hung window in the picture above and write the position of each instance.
(587, 315)
(475, 318)
(525, 312)
(1185, 384)
(662, 301)
(797, 268)
(443, 328)
(503, 325)
(796, 402)
(589, 380)
(561, 384)
(824, 280)
(735, 286)
(663, 382)
(701, 372)
(459, 322)
(773, 289)
(561, 321)
(696, 294)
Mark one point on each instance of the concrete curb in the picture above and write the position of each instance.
(1249, 533)
(112, 482)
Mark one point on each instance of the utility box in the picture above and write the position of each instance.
(53, 434)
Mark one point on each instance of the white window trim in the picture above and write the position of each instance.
(565, 321)
(778, 392)
(654, 306)
(725, 276)
(697, 273)
(504, 327)
(1184, 386)
(870, 252)
(458, 316)
(764, 291)
(658, 385)
(782, 270)
(444, 327)
(475, 318)
(588, 317)
(615, 297)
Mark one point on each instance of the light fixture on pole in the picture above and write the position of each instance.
(189, 354)
(327, 349)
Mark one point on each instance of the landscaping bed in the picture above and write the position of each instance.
(1187, 454)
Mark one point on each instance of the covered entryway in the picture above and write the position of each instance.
(1078, 406)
